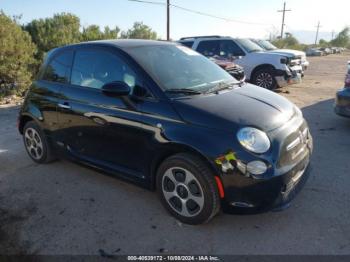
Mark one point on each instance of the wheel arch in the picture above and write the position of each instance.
(29, 113)
(259, 67)
(172, 149)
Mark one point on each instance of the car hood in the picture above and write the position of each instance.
(288, 52)
(230, 110)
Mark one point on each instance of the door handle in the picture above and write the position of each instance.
(64, 105)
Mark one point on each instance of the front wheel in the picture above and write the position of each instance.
(187, 189)
(264, 78)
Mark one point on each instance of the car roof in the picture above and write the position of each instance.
(214, 37)
(120, 43)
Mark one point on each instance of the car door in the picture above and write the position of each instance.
(101, 129)
(45, 91)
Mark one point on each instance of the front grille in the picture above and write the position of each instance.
(293, 184)
(295, 146)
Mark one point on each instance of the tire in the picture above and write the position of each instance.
(187, 189)
(36, 143)
(265, 78)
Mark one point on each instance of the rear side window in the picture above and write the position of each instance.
(58, 69)
(209, 48)
(94, 68)
(187, 43)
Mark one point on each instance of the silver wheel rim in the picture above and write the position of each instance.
(182, 191)
(33, 143)
(264, 80)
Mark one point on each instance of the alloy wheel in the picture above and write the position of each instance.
(264, 80)
(33, 143)
(182, 191)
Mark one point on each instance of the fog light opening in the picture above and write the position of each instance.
(256, 167)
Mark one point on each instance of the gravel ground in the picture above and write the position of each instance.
(64, 208)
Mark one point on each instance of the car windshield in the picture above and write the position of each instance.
(266, 45)
(178, 68)
(249, 45)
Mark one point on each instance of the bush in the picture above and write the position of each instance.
(289, 42)
(16, 56)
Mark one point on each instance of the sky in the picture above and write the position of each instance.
(260, 16)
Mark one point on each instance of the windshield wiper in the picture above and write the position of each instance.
(183, 91)
(221, 86)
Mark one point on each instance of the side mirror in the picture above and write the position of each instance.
(116, 88)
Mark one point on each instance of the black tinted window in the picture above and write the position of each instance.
(209, 48)
(229, 48)
(94, 68)
(223, 48)
(188, 43)
(59, 68)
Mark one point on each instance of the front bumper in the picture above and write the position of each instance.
(342, 102)
(342, 110)
(289, 75)
(288, 80)
(252, 196)
(288, 170)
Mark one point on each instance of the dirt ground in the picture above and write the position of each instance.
(64, 208)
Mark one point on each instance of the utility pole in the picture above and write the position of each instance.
(318, 28)
(333, 32)
(168, 20)
(283, 16)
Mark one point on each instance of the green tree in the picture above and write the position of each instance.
(288, 42)
(323, 43)
(49, 33)
(16, 56)
(93, 32)
(109, 33)
(139, 31)
(342, 39)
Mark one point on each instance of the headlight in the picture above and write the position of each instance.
(254, 140)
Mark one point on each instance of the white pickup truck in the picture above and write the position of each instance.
(268, 70)
(269, 47)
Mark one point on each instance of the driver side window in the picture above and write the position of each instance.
(95, 68)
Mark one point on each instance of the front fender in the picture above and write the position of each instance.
(208, 143)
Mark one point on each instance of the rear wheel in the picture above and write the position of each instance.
(36, 143)
(187, 189)
(265, 78)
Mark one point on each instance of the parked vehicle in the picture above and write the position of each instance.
(314, 52)
(342, 99)
(326, 50)
(295, 54)
(268, 70)
(234, 70)
(165, 117)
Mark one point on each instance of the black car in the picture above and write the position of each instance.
(167, 118)
(342, 99)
